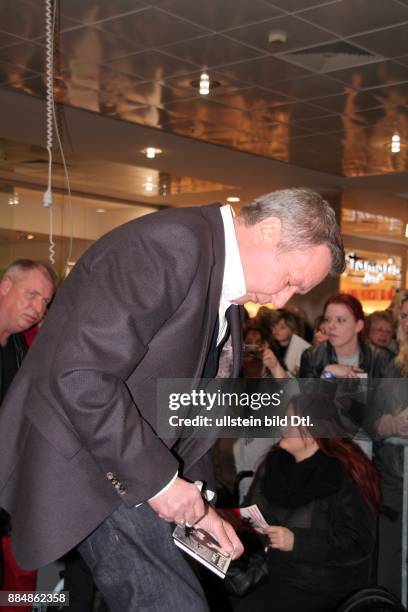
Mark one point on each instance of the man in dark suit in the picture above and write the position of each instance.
(26, 289)
(81, 463)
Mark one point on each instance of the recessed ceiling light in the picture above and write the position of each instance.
(204, 85)
(100, 210)
(277, 37)
(395, 143)
(30, 236)
(204, 88)
(151, 152)
(233, 199)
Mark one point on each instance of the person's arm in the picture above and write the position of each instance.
(388, 414)
(339, 370)
(271, 362)
(116, 314)
(307, 369)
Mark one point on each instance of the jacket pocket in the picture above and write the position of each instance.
(51, 425)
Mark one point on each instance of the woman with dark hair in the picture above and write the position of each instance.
(286, 333)
(261, 357)
(319, 496)
(319, 331)
(345, 354)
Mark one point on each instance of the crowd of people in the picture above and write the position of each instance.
(84, 470)
(346, 345)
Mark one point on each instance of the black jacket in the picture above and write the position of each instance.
(334, 527)
(372, 360)
(353, 397)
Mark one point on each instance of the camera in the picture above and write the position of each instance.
(252, 350)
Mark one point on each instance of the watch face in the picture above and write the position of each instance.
(327, 374)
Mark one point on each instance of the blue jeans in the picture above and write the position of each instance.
(137, 567)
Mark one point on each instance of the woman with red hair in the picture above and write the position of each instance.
(320, 497)
(345, 354)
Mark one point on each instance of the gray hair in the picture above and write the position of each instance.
(307, 220)
(25, 265)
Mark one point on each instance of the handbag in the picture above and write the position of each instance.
(251, 570)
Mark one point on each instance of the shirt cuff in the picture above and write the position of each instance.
(168, 485)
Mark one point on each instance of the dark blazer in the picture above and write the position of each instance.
(77, 430)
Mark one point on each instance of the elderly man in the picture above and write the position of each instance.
(25, 291)
(147, 301)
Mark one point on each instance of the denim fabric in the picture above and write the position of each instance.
(137, 567)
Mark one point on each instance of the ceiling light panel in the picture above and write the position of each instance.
(299, 34)
(389, 42)
(350, 17)
(377, 74)
(212, 51)
(217, 15)
(141, 61)
(150, 28)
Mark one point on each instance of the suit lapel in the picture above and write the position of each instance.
(213, 216)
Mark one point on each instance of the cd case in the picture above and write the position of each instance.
(203, 548)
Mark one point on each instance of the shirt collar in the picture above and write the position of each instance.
(233, 284)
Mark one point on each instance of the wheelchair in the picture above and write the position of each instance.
(372, 599)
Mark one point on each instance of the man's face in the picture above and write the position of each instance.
(273, 275)
(24, 299)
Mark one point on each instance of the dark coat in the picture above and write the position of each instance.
(78, 427)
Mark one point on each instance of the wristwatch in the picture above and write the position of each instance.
(327, 374)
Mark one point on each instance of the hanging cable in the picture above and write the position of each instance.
(51, 121)
(49, 71)
(71, 214)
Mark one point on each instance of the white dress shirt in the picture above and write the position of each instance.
(233, 282)
(233, 285)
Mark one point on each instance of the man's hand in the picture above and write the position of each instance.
(181, 503)
(223, 532)
(281, 538)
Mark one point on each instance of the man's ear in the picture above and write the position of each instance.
(5, 285)
(359, 325)
(268, 232)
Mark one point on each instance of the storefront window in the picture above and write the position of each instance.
(359, 222)
(373, 278)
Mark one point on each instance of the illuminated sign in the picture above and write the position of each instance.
(372, 272)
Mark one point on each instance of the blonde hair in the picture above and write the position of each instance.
(402, 357)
